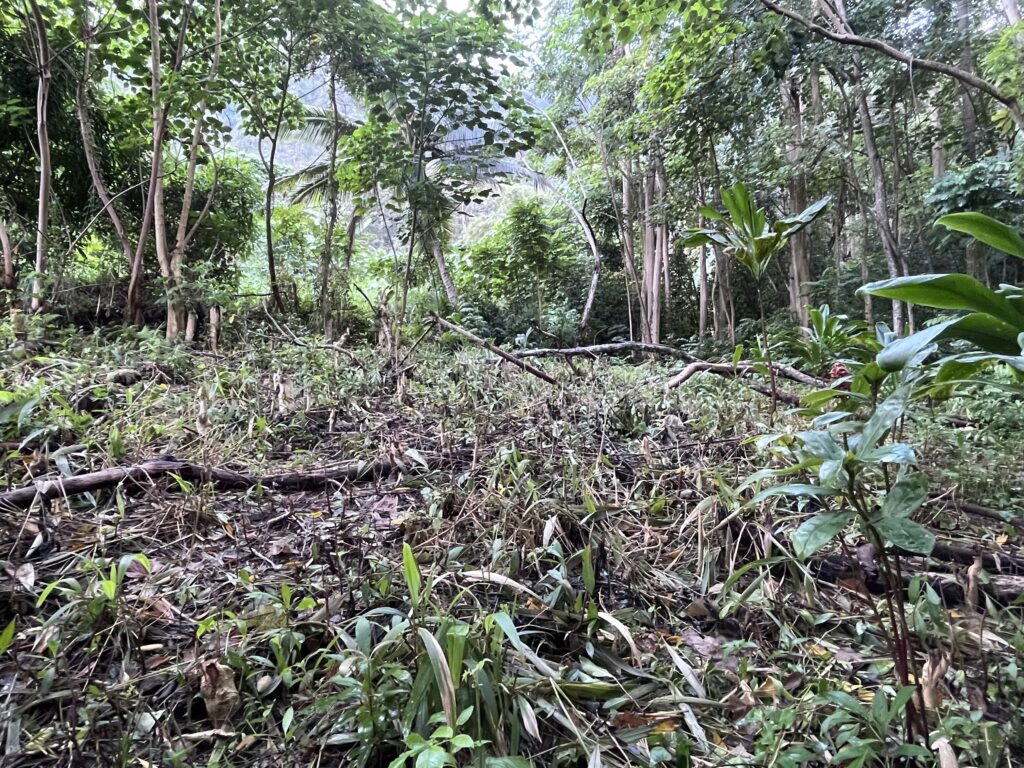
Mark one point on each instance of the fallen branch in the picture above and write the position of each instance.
(499, 352)
(944, 502)
(606, 349)
(742, 368)
(223, 479)
(839, 569)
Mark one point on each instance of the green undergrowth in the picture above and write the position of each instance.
(544, 577)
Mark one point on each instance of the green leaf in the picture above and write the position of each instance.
(905, 497)
(903, 352)
(412, 573)
(946, 291)
(792, 489)
(882, 420)
(899, 702)
(906, 534)
(985, 332)
(815, 533)
(442, 674)
(432, 757)
(822, 445)
(507, 762)
(986, 230)
(7, 636)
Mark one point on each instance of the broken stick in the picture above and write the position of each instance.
(499, 352)
(224, 479)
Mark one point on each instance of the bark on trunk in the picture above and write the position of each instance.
(332, 207)
(702, 301)
(1012, 11)
(10, 283)
(974, 255)
(938, 143)
(442, 267)
(89, 148)
(45, 168)
(799, 267)
(880, 206)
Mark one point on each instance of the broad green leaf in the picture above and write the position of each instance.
(815, 533)
(985, 332)
(792, 489)
(946, 291)
(507, 762)
(822, 445)
(892, 453)
(906, 534)
(790, 225)
(433, 757)
(902, 352)
(987, 230)
(882, 420)
(899, 702)
(907, 494)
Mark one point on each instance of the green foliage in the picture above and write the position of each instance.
(745, 232)
(995, 319)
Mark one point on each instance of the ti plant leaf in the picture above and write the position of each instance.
(815, 533)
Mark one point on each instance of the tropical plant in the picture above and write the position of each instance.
(746, 234)
(994, 323)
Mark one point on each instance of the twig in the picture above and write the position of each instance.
(606, 349)
(499, 352)
(742, 368)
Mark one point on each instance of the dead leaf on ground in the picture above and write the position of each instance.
(218, 690)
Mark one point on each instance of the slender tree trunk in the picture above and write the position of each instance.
(702, 301)
(268, 204)
(95, 172)
(880, 207)
(1012, 11)
(938, 142)
(588, 233)
(799, 266)
(974, 255)
(10, 283)
(442, 266)
(159, 212)
(332, 205)
(45, 169)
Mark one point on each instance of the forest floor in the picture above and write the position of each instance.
(584, 581)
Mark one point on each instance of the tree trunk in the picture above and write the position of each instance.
(268, 205)
(702, 301)
(1012, 11)
(974, 256)
(89, 149)
(45, 168)
(880, 207)
(938, 142)
(10, 283)
(442, 267)
(332, 205)
(214, 328)
(799, 267)
(588, 233)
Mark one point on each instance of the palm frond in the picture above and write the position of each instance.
(318, 126)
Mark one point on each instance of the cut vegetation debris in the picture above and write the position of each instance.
(537, 576)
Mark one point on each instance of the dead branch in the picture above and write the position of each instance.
(880, 46)
(499, 352)
(223, 479)
(606, 349)
(743, 368)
